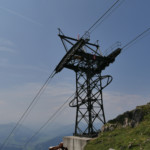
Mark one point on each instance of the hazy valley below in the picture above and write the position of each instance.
(43, 140)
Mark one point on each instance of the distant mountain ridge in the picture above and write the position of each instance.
(49, 137)
(40, 142)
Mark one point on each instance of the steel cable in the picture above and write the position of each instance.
(111, 10)
(26, 111)
(101, 17)
(51, 117)
(136, 38)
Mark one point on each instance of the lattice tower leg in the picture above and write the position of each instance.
(89, 104)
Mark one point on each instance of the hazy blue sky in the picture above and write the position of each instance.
(30, 49)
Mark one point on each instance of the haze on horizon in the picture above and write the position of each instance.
(30, 49)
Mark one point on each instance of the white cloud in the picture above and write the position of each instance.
(6, 42)
(6, 49)
(21, 16)
(116, 103)
(6, 45)
(13, 102)
(3, 61)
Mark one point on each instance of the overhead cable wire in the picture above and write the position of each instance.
(107, 15)
(42, 91)
(44, 85)
(136, 38)
(61, 107)
(118, 44)
(26, 111)
(51, 117)
(102, 17)
(31, 108)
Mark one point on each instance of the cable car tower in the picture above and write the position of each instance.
(86, 61)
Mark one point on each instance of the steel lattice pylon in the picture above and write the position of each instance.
(89, 103)
(85, 60)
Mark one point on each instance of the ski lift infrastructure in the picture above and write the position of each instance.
(88, 61)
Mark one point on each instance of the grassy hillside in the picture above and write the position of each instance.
(130, 130)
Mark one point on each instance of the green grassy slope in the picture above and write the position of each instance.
(124, 138)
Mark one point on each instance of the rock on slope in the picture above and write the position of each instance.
(130, 130)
